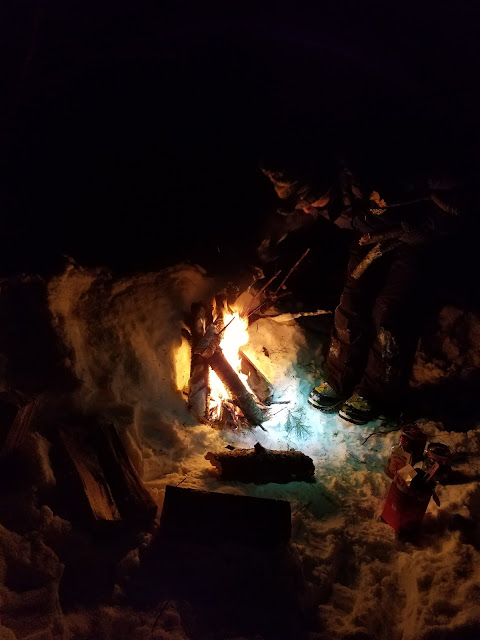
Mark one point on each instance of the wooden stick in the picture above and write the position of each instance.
(259, 293)
(378, 250)
(362, 266)
(286, 317)
(290, 272)
(374, 238)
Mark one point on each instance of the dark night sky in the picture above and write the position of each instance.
(135, 128)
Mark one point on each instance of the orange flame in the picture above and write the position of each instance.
(234, 337)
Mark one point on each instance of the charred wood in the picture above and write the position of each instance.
(235, 386)
(209, 343)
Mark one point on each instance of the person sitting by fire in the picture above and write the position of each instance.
(375, 329)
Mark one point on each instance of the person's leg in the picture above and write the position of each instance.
(397, 316)
(350, 336)
(351, 330)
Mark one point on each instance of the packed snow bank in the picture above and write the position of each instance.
(127, 350)
(452, 350)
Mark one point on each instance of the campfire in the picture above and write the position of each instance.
(226, 389)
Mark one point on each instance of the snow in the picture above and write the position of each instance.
(362, 582)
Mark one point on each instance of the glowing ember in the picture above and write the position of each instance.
(234, 337)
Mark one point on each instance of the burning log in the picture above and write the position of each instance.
(198, 391)
(235, 386)
(209, 343)
(133, 499)
(99, 499)
(257, 382)
(263, 465)
(212, 517)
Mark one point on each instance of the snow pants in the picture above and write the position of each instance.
(377, 325)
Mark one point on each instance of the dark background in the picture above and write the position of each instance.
(131, 132)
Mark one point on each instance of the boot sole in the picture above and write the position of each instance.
(333, 408)
(357, 421)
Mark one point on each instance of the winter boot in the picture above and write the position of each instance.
(325, 398)
(358, 410)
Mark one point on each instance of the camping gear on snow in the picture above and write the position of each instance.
(438, 453)
(408, 498)
(408, 451)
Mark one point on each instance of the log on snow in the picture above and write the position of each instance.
(131, 496)
(210, 517)
(263, 465)
(97, 495)
(235, 386)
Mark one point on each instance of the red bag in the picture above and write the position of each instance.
(407, 500)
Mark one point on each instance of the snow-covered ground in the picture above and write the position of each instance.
(362, 581)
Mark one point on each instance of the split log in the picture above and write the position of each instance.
(222, 517)
(97, 494)
(263, 465)
(235, 386)
(198, 390)
(19, 428)
(131, 496)
(257, 382)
